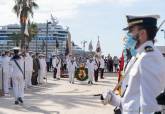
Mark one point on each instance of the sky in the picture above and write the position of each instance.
(88, 19)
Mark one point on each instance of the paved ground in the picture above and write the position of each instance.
(61, 97)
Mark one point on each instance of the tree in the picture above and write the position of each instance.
(23, 9)
(16, 37)
(33, 31)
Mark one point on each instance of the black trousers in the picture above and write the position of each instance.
(96, 73)
(102, 73)
(34, 78)
(54, 72)
(48, 66)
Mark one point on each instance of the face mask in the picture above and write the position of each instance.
(130, 44)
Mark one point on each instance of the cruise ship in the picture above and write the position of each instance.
(38, 43)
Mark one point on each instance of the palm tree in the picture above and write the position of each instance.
(23, 9)
(33, 31)
(16, 37)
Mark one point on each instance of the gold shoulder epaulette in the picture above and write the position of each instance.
(148, 49)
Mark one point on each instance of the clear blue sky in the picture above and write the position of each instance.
(89, 18)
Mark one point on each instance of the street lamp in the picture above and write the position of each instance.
(47, 23)
(164, 32)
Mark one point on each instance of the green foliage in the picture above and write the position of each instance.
(16, 37)
(33, 31)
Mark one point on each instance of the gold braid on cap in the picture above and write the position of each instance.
(135, 22)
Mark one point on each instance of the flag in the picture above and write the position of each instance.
(90, 46)
(26, 32)
(67, 48)
(57, 43)
(98, 48)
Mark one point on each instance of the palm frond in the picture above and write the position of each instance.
(16, 10)
(34, 5)
(31, 12)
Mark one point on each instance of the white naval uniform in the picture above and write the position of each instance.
(71, 70)
(102, 63)
(6, 73)
(44, 66)
(42, 71)
(57, 64)
(145, 80)
(28, 70)
(91, 67)
(17, 78)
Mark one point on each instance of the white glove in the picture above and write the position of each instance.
(111, 98)
(106, 97)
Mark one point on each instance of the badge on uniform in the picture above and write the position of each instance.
(148, 49)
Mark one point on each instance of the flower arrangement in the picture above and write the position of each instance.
(81, 73)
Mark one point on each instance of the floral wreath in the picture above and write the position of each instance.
(81, 73)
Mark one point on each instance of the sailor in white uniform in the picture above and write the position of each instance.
(57, 65)
(91, 68)
(6, 73)
(28, 70)
(71, 70)
(42, 71)
(17, 65)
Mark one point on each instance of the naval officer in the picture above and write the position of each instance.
(145, 72)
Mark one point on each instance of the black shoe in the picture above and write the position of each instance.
(88, 82)
(20, 100)
(16, 102)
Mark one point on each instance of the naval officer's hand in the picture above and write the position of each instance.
(106, 97)
(110, 98)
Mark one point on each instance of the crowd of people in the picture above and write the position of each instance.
(22, 70)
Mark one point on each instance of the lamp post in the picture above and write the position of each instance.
(47, 23)
(36, 44)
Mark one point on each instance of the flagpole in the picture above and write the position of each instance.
(47, 23)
